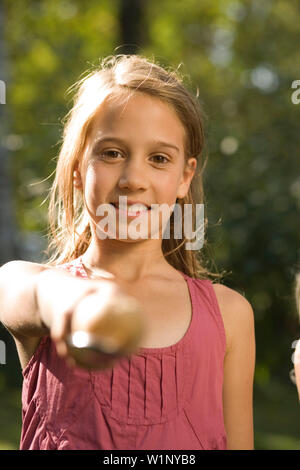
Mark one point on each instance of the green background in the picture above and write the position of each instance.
(242, 56)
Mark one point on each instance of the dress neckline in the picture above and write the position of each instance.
(173, 347)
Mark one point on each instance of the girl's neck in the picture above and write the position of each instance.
(125, 261)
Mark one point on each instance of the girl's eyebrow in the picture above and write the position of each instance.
(100, 140)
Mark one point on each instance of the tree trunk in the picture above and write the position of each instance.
(132, 26)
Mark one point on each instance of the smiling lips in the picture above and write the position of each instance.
(131, 209)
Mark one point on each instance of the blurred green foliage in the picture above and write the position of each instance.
(242, 56)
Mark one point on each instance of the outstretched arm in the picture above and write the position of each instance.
(239, 365)
(36, 300)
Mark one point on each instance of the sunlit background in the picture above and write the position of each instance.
(242, 57)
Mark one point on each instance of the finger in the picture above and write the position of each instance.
(71, 361)
(61, 348)
(61, 326)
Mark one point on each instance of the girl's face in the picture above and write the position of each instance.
(136, 149)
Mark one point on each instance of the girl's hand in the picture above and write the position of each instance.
(106, 325)
(102, 324)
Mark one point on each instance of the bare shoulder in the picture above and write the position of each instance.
(16, 266)
(14, 275)
(236, 311)
(230, 298)
(17, 305)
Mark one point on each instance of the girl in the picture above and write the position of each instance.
(134, 131)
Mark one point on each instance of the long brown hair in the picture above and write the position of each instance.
(69, 229)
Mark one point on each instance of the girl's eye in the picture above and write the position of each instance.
(160, 159)
(110, 154)
(114, 154)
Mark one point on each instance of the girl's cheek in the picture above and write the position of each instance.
(92, 183)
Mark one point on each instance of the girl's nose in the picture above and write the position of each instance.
(133, 175)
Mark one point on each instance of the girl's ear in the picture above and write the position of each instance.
(187, 177)
(77, 177)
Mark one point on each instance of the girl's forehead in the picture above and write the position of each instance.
(147, 114)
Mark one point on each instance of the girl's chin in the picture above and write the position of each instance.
(130, 229)
(127, 234)
(128, 239)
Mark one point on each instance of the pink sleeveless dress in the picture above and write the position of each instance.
(167, 398)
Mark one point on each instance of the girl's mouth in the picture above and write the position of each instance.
(131, 210)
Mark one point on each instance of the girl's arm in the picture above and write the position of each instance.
(239, 365)
(18, 306)
(36, 300)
